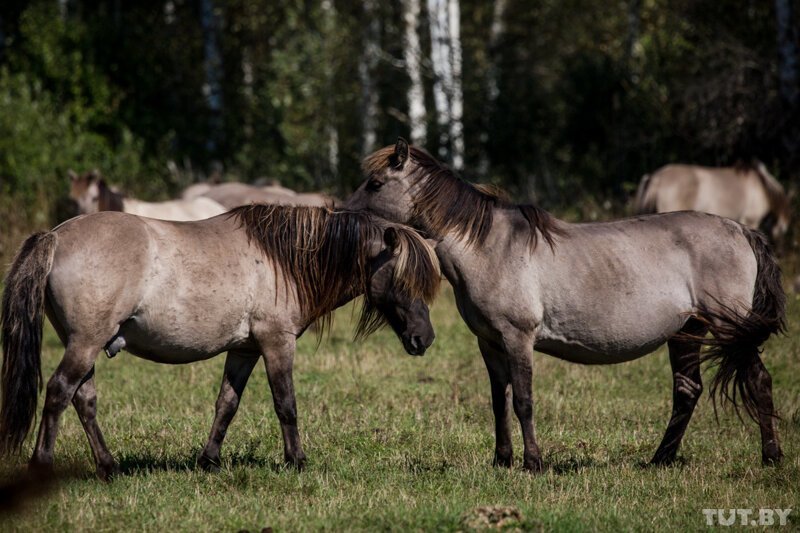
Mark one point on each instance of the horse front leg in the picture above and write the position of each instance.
(497, 366)
(85, 403)
(519, 351)
(279, 358)
(238, 367)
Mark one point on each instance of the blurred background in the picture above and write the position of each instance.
(563, 102)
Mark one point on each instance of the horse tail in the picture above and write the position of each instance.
(645, 201)
(737, 337)
(21, 324)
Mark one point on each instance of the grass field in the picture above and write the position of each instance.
(396, 443)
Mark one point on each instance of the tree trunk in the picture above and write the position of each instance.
(212, 66)
(366, 72)
(456, 94)
(443, 75)
(413, 53)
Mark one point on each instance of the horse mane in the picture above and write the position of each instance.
(325, 254)
(444, 202)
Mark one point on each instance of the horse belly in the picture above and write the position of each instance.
(167, 338)
(616, 332)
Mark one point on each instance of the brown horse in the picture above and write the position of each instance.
(92, 194)
(591, 293)
(750, 196)
(248, 282)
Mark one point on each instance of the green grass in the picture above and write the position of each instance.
(397, 443)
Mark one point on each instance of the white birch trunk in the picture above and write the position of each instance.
(440, 60)
(456, 94)
(366, 70)
(413, 53)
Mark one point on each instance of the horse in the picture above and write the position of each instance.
(92, 194)
(592, 293)
(750, 195)
(248, 282)
(234, 194)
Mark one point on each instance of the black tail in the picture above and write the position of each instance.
(21, 324)
(737, 338)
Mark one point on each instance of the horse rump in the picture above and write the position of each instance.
(736, 340)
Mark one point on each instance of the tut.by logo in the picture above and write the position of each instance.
(747, 517)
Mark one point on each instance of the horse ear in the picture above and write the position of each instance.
(72, 175)
(401, 151)
(390, 237)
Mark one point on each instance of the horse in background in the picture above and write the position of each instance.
(234, 194)
(155, 288)
(749, 195)
(93, 194)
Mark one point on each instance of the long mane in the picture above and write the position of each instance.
(325, 254)
(445, 203)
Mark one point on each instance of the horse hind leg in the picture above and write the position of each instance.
(76, 364)
(759, 384)
(85, 403)
(687, 386)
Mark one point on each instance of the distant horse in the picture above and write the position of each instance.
(750, 196)
(234, 194)
(92, 194)
(248, 282)
(596, 293)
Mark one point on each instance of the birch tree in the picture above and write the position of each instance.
(456, 94)
(367, 64)
(412, 53)
(444, 22)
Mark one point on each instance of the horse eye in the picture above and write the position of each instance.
(374, 185)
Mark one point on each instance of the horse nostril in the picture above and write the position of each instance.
(416, 342)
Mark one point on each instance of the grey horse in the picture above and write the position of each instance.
(597, 293)
(248, 282)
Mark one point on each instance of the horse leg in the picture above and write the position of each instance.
(85, 402)
(759, 382)
(519, 352)
(278, 358)
(497, 367)
(687, 386)
(238, 368)
(77, 362)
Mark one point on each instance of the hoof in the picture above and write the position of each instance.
(209, 464)
(534, 465)
(298, 463)
(108, 472)
(771, 454)
(662, 459)
(503, 460)
(40, 469)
